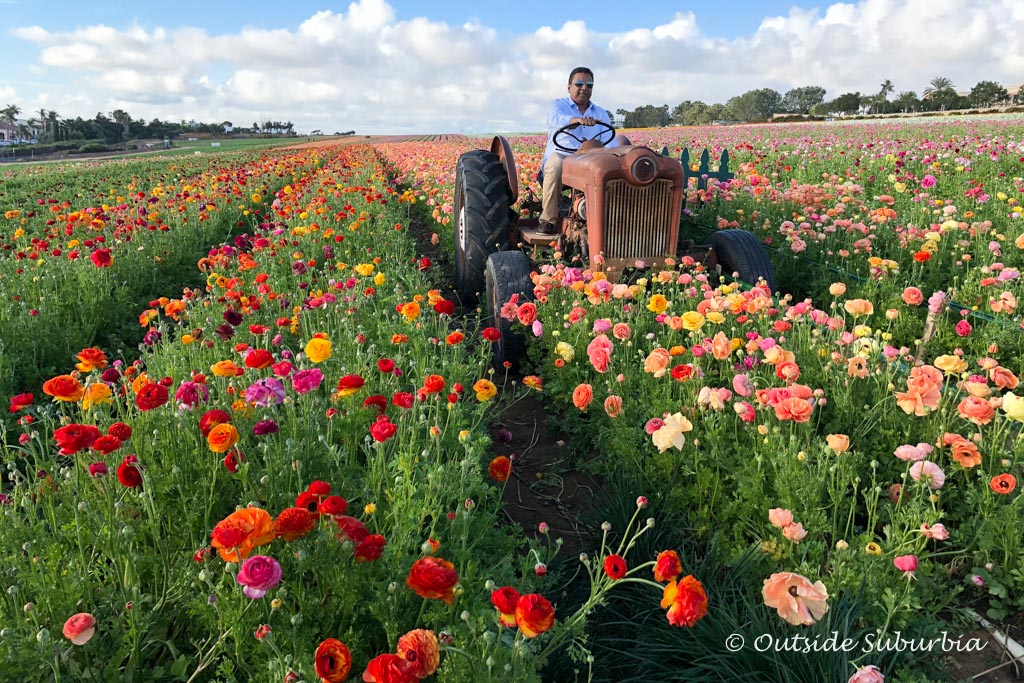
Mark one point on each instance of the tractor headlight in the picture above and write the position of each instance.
(644, 170)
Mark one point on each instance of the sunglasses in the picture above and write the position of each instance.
(582, 84)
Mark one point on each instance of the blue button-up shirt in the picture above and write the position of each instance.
(564, 110)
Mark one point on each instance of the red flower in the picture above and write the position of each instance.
(333, 505)
(383, 429)
(432, 577)
(403, 399)
(150, 396)
(232, 460)
(370, 548)
(128, 472)
(211, 419)
(352, 528)
(101, 258)
(389, 668)
(378, 401)
(500, 468)
(615, 567)
(259, 359)
(106, 444)
(444, 307)
(668, 566)
(505, 601)
(386, 365)
(491, 334)
(350, 384)
(685, 601)
(294, 523)
(333, 661)
(534, 615)
(21, 401)
(433, 384)
(73, 438)
(120, 430)
(1004, 484)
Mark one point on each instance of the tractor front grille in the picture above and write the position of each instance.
(637, 220)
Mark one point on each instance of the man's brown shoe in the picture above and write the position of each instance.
(547, 228)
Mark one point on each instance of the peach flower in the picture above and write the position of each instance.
(839, 443)
(582, 396)
(600, 352)
(912, 296)
(780, 517)
(797, 600)
(613, 406)
(794, 532)
(657, 362)
(795, 409)
(859, 307)
(976, 410)
(721, 346)
(80, 628)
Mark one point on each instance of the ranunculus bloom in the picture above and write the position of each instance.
(937, 532)
(839, 443)
(795, 409)
(239, 533)
(932, 473)
(421, 649)
(80, 628)
(1003, 483)
(615, 567)
(370, 548)
(867, 674)
(780, 517)
(332, 661)
(383, 429)
(912, 296)
(913, 453)
(433, 578)
(905, 563)
(1013, 406)
(91, 359)
(74, 437)
(582, 395)
(671, 432)
(534, 615)
(222, 437)
(742, 385)
(613, 406)
(963, 451)
(258, 574)
(64, 388)
(794, 532)
(600, 352)
(268, 391)
(305, 381)
(685, 600)
(389, 668)
(924, 389)
(318, 349)
(668, 566)
(350, 384)
(657, 362)
(500, 468)
(20, 402)
(797, 600)
(505, 600)
(294, 522)
(976, 410)
(212, 418)
(859, 307)
(150, 396)
(485, 390)
(98, 469)
(621, 331)
(351, 528)
(128, 472)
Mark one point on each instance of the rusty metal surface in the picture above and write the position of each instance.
(500, 146)
(638, 220)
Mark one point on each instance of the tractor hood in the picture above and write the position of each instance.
(637, 165)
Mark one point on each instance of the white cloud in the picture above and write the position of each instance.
(369, 69)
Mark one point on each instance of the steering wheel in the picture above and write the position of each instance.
(566, 131)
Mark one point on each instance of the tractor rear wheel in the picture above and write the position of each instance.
(739, 252)
(482, 219)
(507, 273)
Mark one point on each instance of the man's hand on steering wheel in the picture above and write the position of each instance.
(566, 131)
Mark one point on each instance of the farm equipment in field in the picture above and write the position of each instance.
(623, 211)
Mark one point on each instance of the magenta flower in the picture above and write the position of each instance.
(265, 392)
(306, 381)
(258, 574)
(928, 182)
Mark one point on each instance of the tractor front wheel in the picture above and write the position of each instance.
(482, 219)
(507, 274)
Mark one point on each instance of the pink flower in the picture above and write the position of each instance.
(742, 385)
(937, 532)
(963, 328)
(928, 181)
(80, 628)
(794, 532)
(867, 674)
(602, 325)
(913, 453)
(745, 411)
(653, 425)
(600, 351)
(906, 564)
(912, 296)
(797, 600)
(306, 381)
(258, 574)
(932, 473)
(937, 302)
(780, 517)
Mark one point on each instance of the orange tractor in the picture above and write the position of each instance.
(623, 211)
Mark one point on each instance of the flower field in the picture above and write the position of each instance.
(248, 426)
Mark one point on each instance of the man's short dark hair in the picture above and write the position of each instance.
(581, 70)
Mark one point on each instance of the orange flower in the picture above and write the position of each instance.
(924, 389)
(293, 523)
(534, 382)
(613, 406)
(433, 384)
(721, 346)
(65, 388)
(686, 601)
(668, 566)
(1003, 378)
(795, 597)
(485, 390)
(976, 410)
(432, 577)
(239, 533)
(964, 451)
(91, 359)
(839, 443)
(582, 396)
(657, 362)
(795, 409)
(859, 307)
(225, 368)
(500, 468)
(222, 437)
(421, 649)
(534, 615)
(333, 661)
(1004, 484)
(388, 668)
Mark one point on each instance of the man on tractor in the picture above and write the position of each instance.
(589, 122)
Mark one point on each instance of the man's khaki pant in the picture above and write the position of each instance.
(552, 188)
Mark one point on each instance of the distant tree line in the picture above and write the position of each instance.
(119, 126)
(763, 103)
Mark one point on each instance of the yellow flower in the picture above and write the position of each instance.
(485, 389)
(96, 394)
(1013, 406)
(952, 365)
(318, 349)
(873, 548)
(715, 317)
(411, 311)
(364, 269)
(369, 508)
(379, 279)
(256, 198)
(534, 382)
(657, 304)
(693, 321)
(565, 351)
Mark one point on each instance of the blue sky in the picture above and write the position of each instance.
(379, 67)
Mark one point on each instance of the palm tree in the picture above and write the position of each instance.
(10, 112)
(883, 94)
(937, 86)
